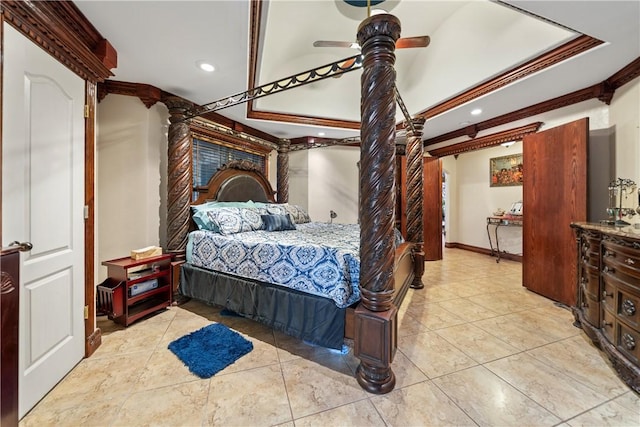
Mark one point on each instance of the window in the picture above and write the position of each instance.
(209, 156)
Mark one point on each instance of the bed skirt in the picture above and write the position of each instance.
(307, 317)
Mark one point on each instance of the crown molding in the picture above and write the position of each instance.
(63, 31)
(487, 141)
(574, 47)
(604, 91)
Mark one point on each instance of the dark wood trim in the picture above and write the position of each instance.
(92, 336)
(149, 95)
(626, 74)
(603, 91)
(62, 30)
(574, 47)
(487, 141)
(209, 132)
(484, 251)
(303, 120)
(254, 43)
(1, 112)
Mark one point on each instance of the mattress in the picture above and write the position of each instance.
(317, 258)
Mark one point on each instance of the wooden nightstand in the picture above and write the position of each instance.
(136, 288)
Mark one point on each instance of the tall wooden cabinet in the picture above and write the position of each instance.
(554, 196)
(608, 294)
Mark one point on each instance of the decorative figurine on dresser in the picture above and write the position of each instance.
(608, 300)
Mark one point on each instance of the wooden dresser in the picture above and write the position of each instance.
(608, 297)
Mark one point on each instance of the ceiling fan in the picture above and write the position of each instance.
(401, 43)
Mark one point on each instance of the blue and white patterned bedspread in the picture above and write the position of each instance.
(318, 258)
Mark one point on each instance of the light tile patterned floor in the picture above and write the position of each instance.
(475, 349)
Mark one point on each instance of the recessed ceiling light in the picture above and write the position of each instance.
(476, 112)
(464, 123)
(320, 133)
(205, 66)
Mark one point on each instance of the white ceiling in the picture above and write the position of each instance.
(159, 43)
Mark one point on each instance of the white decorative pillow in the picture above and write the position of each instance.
(300, 216)
(235, 220)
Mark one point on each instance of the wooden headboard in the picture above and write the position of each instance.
(237, 181)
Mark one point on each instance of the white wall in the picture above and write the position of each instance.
(325, 179)
(472, 199)
(625, 117)
(299, 178)
(131, 162)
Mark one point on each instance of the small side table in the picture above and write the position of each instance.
(136, 288)
(497, 222)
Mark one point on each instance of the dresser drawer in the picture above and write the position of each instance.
(609, 292)
(628, 305)
(590, 249)
(621, 260)
(608, 325)
(628, 342)
(590, 310)
(590, 279)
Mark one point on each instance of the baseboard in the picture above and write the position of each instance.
(92, 342)
(484, 251)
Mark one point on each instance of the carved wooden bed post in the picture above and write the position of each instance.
(376, 316)
(179, 181)
(415, 233)
(283, 171)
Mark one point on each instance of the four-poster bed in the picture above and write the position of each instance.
(301, 281)
(385, 271)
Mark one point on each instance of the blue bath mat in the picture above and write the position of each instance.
(209, 350)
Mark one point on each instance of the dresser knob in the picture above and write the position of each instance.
(628, 307)
(628, 341)
(605, 324)
(608, 270)
(629, 261)
(609, 254)
(606, 294)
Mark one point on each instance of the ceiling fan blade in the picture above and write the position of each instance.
(401, 43)
(346, 64)
(408, 42)
(329, 43)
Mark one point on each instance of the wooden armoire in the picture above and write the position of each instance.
(554, 196)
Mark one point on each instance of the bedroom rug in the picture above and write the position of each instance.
(209, 350)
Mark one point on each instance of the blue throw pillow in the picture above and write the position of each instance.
(277, 222)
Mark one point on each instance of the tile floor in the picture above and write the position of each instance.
(475, 348)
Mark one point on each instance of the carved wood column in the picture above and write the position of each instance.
(179, 180)
(415, 189)
(283, 171)
(375, 317)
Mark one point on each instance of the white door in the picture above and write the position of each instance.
(43, 199)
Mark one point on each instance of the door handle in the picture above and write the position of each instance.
(24, 246)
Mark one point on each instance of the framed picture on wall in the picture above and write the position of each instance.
(505, 171)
